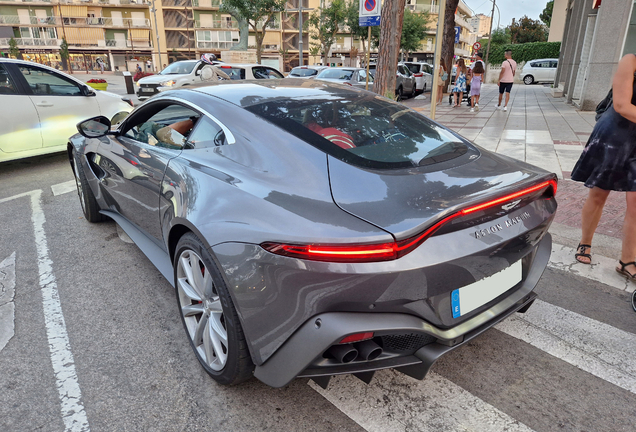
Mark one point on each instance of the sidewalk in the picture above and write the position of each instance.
(116, 83)
(543, 131)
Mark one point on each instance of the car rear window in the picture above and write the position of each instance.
(305, 72)
(343, 74)
(365, 130)
(413, 67)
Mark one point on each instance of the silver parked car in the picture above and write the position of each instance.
(541, 70)
(312, 229)
(353, 76)
(405, 84)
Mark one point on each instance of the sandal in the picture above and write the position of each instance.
(628, 275)
(582, 248)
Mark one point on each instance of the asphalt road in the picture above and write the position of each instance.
(95, 322)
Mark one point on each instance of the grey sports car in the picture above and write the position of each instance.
(313, 229)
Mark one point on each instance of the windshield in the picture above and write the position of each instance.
(342, 74)
(182, 67)
(304, 72)
(364, 130)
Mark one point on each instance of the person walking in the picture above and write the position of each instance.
(475, 84)
(608, 163)
(460, 83)
(442, 76)
(506, 78)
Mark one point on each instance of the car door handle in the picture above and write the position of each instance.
(44, 104)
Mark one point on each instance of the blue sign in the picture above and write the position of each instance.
(369, 13)
(455, 301)
(458, 30)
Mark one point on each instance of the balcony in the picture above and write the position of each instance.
(460, 21)
(15, 20)
(216, 24)
(32, 42)
(25, 1)
(420, 8)
(206, 3)
(108, 2)
(106, 22)
(219, 45)
(115, 43)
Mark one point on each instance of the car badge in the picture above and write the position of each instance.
(510, 205)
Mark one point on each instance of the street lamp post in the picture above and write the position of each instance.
(492, 16)
(154, 12)
(300, 11)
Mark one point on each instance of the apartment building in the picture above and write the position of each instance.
(114, 31)
(480, 24)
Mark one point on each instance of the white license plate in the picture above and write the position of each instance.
(467, 299)
(148, 90)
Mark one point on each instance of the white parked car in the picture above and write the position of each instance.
(41, 106)
(308, 72)
(423, 73)
(540, 70)
(188, 72)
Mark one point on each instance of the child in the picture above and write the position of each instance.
(460, 83)
(475, 84)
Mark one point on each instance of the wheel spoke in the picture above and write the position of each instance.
(197, 281)
(186, 289)
(218, 341)
(217, 326)
(208, 285)
(192, 310)
(208, 348)
(215, 306)
(201, 328)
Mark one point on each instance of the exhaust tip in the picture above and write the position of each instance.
(368, 350)
(343, 353)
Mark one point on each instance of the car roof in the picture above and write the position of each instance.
(26, 62)
(250, 92)
(544, 59)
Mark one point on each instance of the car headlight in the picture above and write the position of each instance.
(169, 83)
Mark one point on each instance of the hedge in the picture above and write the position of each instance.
(525, 52)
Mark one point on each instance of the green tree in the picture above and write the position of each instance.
(352, 20)
(546, 15)
(500, 36)
(64, 55)
(13, 49)
(414, 29)
(258, 14)
(324, 24)
(527, 30)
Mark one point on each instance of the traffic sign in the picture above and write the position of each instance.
(458, 30)
(370, 13)
(477, 46)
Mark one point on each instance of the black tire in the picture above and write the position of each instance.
(399, 95)
(634, 301)
(528, 79)
(90, 208)
(413, 92)
(424, 89)
(232, 364)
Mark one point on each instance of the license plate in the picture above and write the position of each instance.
(148, 90)
(468, 298)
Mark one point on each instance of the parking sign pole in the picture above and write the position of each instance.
(369, 15)
(438, 53)
(366, 86)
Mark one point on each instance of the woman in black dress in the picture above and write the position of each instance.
(608, 163)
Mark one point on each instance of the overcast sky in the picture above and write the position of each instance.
(509, 9)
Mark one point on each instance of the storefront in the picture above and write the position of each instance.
(89, 61)
(45, 57)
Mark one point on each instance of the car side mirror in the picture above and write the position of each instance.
(88, 91)
(95, 127)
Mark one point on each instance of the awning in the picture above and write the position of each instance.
(74, 11)
(76, 35)
(140, 34)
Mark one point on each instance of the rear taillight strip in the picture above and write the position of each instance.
(391, 250)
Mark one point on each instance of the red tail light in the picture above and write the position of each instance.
(357, 337)
(226, 67)
(392, 250)
(418, 75)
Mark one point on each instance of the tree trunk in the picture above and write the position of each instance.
(325, 52)
(390, 33)
(259, 45)
(448, 41)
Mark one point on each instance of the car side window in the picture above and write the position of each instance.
(6, 84)
(553, 64)
(169, 127)
(207, 134)
(43, 82)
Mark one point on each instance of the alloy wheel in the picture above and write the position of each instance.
(528, 79)
(202, 311)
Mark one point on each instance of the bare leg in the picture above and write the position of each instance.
(500, 96)
(507, 98)
(628, 253)
(459, 100)
(590, 216)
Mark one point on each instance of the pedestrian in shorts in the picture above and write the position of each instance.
(506, 78)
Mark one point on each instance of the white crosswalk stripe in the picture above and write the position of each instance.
(394, 402)
(590, 345)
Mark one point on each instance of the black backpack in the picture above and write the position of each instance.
(604, 105)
